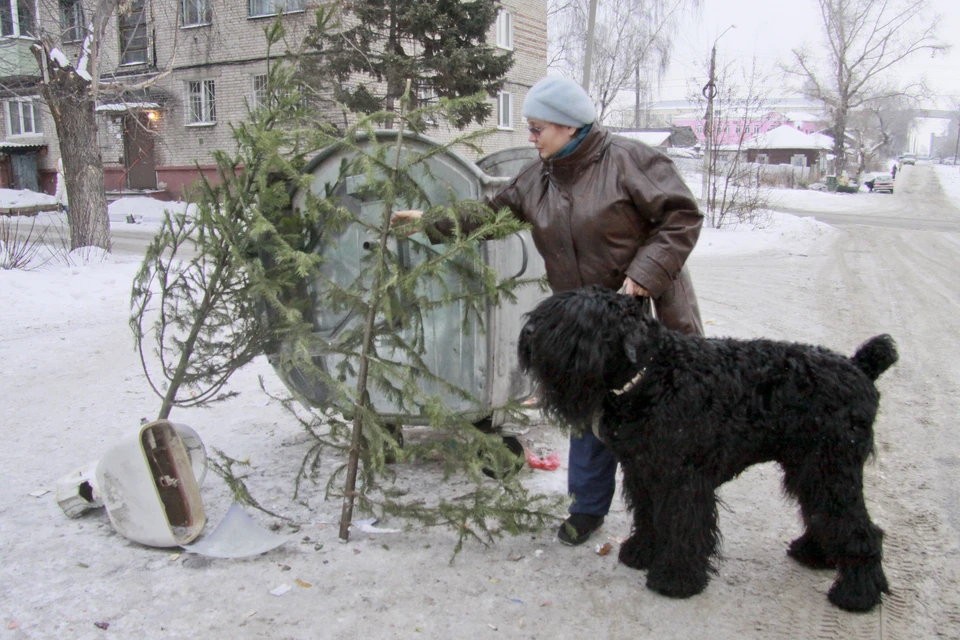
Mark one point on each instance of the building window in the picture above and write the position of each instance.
(202, 100)
(196, 12)
(273, 7)
(504, 110)
(756, 128)
(23, 118)
(71, 20)
(259, 91)
(18, 18)
(133, 33)
(426, 96)
(505, 30)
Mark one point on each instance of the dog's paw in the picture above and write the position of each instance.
(808, 552)
(859, 588)
(673, 582)
(636, 552)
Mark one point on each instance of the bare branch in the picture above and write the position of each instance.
(865, 40)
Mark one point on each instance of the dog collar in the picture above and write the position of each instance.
(631, 384)
(634, 381)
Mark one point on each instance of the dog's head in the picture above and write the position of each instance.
(578, 345)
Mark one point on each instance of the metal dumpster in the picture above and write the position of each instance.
(484, 364)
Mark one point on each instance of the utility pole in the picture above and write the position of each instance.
(588, 55)
(957, 148)
(710, 92)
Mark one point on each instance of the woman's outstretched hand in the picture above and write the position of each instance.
(405, 215)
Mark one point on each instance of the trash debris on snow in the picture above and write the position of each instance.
(367, 526)
(149, 483)
(604, 549)
(77, 492)
(237, 536)
(279, 591)
(40, 493)
(549, 463)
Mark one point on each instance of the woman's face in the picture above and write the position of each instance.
(548, 137)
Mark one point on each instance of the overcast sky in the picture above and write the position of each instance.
(769, 29)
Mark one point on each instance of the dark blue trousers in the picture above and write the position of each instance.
(592, 475)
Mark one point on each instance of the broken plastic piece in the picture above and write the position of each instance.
(549, 463)
(367, 526)
(78, 492)
(148, 485)
(237, 536)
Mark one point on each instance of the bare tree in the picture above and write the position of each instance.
(71, 42)
(865, 40)
(632, 44)
(734, 186)
(883, 128)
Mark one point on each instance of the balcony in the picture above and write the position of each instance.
(16, 59)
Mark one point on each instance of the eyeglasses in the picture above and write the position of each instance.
(536, 131)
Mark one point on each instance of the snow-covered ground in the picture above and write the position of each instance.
(71, 386)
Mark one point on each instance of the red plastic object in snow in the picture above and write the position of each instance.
(549, 463)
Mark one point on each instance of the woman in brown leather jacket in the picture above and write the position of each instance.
(609, 211)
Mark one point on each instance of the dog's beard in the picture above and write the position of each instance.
(567, 345)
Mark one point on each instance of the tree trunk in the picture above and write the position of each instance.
(73, 108)
(839, 142)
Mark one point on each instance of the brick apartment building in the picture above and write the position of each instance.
(207, 59)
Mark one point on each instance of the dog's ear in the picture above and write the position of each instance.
(523, 345)
(634, 339)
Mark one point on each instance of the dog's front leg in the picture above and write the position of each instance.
(639, 549)
(685, 518)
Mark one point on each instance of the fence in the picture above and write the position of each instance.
(769, 175)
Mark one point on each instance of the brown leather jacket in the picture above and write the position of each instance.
(613, 208)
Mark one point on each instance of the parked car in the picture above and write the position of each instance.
(909, 158)
(880, 182)
(952, 160)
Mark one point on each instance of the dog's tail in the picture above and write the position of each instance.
(876, 355)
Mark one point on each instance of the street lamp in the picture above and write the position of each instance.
(709, 92)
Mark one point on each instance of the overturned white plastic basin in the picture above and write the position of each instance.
(149, 486)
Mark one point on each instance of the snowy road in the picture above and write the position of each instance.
(918, 203)
(71, 386)
(885, 272)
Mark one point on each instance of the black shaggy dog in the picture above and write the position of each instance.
(685, 414)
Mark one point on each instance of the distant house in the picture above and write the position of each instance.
(653, 138)
(788, 145)
(662, 137)
(730, 127)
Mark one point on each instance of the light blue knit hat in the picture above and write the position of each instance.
(559, 100)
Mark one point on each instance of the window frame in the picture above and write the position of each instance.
(74, 26)
(204, 14)
(36, 116)
(14, 19)
(505, 124)
(129, 30)
(260, 95)
(504, 28)
(273, 9)
(207, 94)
